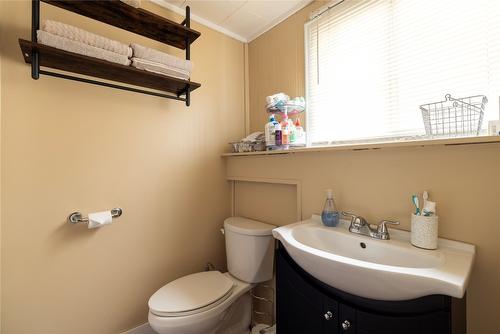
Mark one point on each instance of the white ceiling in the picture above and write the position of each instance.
(242, 19)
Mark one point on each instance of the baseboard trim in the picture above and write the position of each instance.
(142, 329)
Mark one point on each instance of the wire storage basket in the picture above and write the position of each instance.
(454, 117)
(246, 146)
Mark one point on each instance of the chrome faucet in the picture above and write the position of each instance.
(359, 225)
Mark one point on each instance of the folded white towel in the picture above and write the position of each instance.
(144, 64)
(161, 57)
(253, 137)
(85, 37)
(279, 99)
(80, 48)
(133, 3)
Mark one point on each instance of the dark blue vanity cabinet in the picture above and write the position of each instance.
(306, 305)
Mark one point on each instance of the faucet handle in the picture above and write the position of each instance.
(382, 227)
(356, 220)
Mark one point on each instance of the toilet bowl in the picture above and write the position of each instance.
(229, 310)
(211, 302)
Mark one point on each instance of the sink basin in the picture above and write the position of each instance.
(377, 269)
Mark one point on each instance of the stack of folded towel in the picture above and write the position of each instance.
(69, 38)
(161, 63)
(66, 37)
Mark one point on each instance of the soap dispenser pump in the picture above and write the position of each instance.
(330, 215)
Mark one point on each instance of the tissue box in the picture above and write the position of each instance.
(424, 231)
(494, 128)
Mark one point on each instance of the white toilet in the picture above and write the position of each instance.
(211, 302)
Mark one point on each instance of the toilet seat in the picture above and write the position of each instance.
(191, 294)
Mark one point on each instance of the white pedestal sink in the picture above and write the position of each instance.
(377, 269)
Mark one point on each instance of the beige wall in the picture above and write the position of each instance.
(70, 146)
(464, 180)
(264, 208)
(276, 63)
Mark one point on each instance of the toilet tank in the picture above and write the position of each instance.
(249, 249)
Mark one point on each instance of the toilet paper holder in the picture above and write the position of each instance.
(77, 217)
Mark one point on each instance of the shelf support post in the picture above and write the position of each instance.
(188, 51)
(35, 25)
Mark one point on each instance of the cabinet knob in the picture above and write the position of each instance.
(328, 315)
(346, 325)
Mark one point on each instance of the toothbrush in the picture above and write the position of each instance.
(425, 196)
(414, 199)
(429, 207)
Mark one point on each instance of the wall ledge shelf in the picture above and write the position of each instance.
(80, 64)
(376, 146)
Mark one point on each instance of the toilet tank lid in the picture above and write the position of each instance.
(247, 226)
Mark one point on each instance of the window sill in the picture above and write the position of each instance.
(377, 146)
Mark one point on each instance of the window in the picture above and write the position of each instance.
(370, 64)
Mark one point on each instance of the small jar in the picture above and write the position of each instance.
(424, 231)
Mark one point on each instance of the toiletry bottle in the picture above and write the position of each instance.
(277, 135)
(330, 215)
(291, 126)
(270, 132)
(299, 132)
(285, 132)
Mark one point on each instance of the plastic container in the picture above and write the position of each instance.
(277, 135)
(424, 231)
(270, 132)
(285, 132)
(330, 216)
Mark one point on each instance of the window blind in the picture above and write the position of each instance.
(370, 64)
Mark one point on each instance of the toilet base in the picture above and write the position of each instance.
(235, 319)
(238, 317)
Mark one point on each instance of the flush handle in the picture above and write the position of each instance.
(328, 315)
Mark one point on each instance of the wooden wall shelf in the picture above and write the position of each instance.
(76, 63)
(121, 15)
(136, 20)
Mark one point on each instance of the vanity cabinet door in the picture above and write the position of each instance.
(296, 313)
(331, 316)
(347, 320)
(434, 323)
(299, 305)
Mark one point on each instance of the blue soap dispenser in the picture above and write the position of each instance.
(330, 215)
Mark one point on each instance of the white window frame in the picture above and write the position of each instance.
(314, 16)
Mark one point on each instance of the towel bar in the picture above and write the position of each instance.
(77, 217)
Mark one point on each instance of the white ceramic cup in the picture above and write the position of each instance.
(424, 231)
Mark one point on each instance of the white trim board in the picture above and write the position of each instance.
(142, 329)
(292, 182)
(227, 32)
(279, 20)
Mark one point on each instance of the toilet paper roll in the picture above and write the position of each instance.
(98, 219)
